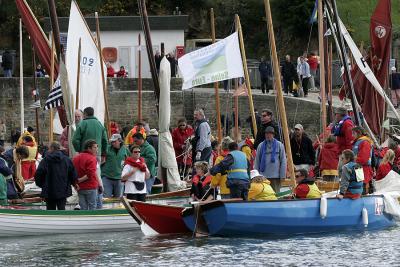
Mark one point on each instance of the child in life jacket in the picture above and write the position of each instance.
(201, 189)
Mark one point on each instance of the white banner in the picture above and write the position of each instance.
(90, 83)
(217, 62)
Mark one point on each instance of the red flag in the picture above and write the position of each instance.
(38, 38)
(372, 104)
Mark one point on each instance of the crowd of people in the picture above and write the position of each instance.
(251, 169)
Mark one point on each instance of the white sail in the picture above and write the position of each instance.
(363, 66)
(91, 88)
(166, 152)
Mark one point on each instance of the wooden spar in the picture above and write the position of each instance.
(35, 90)
(346, 67)
(216, 91)
(322, 67)
(21, 77)
(278, 85)
(149, 47)
(54, 26)
(236, 97)
(246, 75)
(330, 104)
(78, 75)
(52, 61)
(139, 79)
(103, 79)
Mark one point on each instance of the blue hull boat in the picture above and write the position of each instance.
(287, 217)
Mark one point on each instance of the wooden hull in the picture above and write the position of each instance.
(288, 217)
(41, 222)
(161, 218)
(179, 193)
(322, 185)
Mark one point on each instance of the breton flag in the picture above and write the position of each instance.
(55, 98)
(217, 62)
(90, 80)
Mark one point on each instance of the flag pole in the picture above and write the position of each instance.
(35, 90)
(78, 75)
(217, 103)
(21, 77)
(107, 115)
(281, 104)
(139, 79)
(322, 66)
(246, 75)
(52, 61)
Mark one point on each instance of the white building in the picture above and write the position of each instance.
(119, 38)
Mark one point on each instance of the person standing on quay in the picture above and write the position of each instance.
(112, 168)
(55, 175)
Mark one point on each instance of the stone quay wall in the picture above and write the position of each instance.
(123, 102)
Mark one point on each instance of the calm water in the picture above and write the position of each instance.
(133, 249)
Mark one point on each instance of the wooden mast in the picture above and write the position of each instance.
(281, 104)
(52, 61)
(35, 89)
(139, 79)
(246, 75)
(21, 78)
(107, 115)
(330, 108)
(78, 75)
(216, 91)
(322, 67)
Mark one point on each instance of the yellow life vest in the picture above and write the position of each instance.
(32, 153)
(314, 191)
(261, 191)
(220, 180)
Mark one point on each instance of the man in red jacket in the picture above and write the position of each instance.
(89, 184)
(362, 148)
(179, 136)
(343, 129)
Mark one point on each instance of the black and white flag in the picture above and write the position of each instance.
(55, 98)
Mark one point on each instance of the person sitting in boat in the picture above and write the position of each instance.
(201, 189)
(219, 180)
(328, 159)
(138, 128)
(306, 187)
(134, 175)
(349, 186)
(260, 187)
(386, 165)
(247, 147)
(237, 167)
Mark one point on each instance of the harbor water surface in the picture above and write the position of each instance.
(369, 248)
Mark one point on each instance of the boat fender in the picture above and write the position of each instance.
(365, 217)
(323, 207)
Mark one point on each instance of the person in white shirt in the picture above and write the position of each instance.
(304, 72)
(134, 174)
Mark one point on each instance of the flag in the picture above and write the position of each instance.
(35, 104)
(90, 78)
(368, 89)
(314, 14)
(55, 98)
(217, 62)
(38, 38)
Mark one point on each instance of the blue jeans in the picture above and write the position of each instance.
(112, 187)
(99, 201)
(87, 199)
(239, 188)
(149, 184)
(7, 73)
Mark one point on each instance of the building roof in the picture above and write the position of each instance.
(126, 23)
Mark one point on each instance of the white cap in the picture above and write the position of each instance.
(254, 173)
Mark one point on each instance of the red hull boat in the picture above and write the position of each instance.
(162, 219)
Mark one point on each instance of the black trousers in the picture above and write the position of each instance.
(264, 85)
(138, 197)
(56, 204)
(288, 85)
(304, 83)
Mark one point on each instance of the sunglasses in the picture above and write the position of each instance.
(182, 125)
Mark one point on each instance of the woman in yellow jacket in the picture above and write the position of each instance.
(220, 180)
(260, 188)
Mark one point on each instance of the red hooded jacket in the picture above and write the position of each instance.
(178, 137)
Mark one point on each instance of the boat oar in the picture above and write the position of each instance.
(197, 208)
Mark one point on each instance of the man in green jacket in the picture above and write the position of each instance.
(90, 128)
(147, 152)
(112, 168)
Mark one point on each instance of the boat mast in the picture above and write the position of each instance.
(217, 104)
(35, 91)
(78, 75)
(281, 103)
(21, 78)
(52, 63)
(139, 79)
(322, 67)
